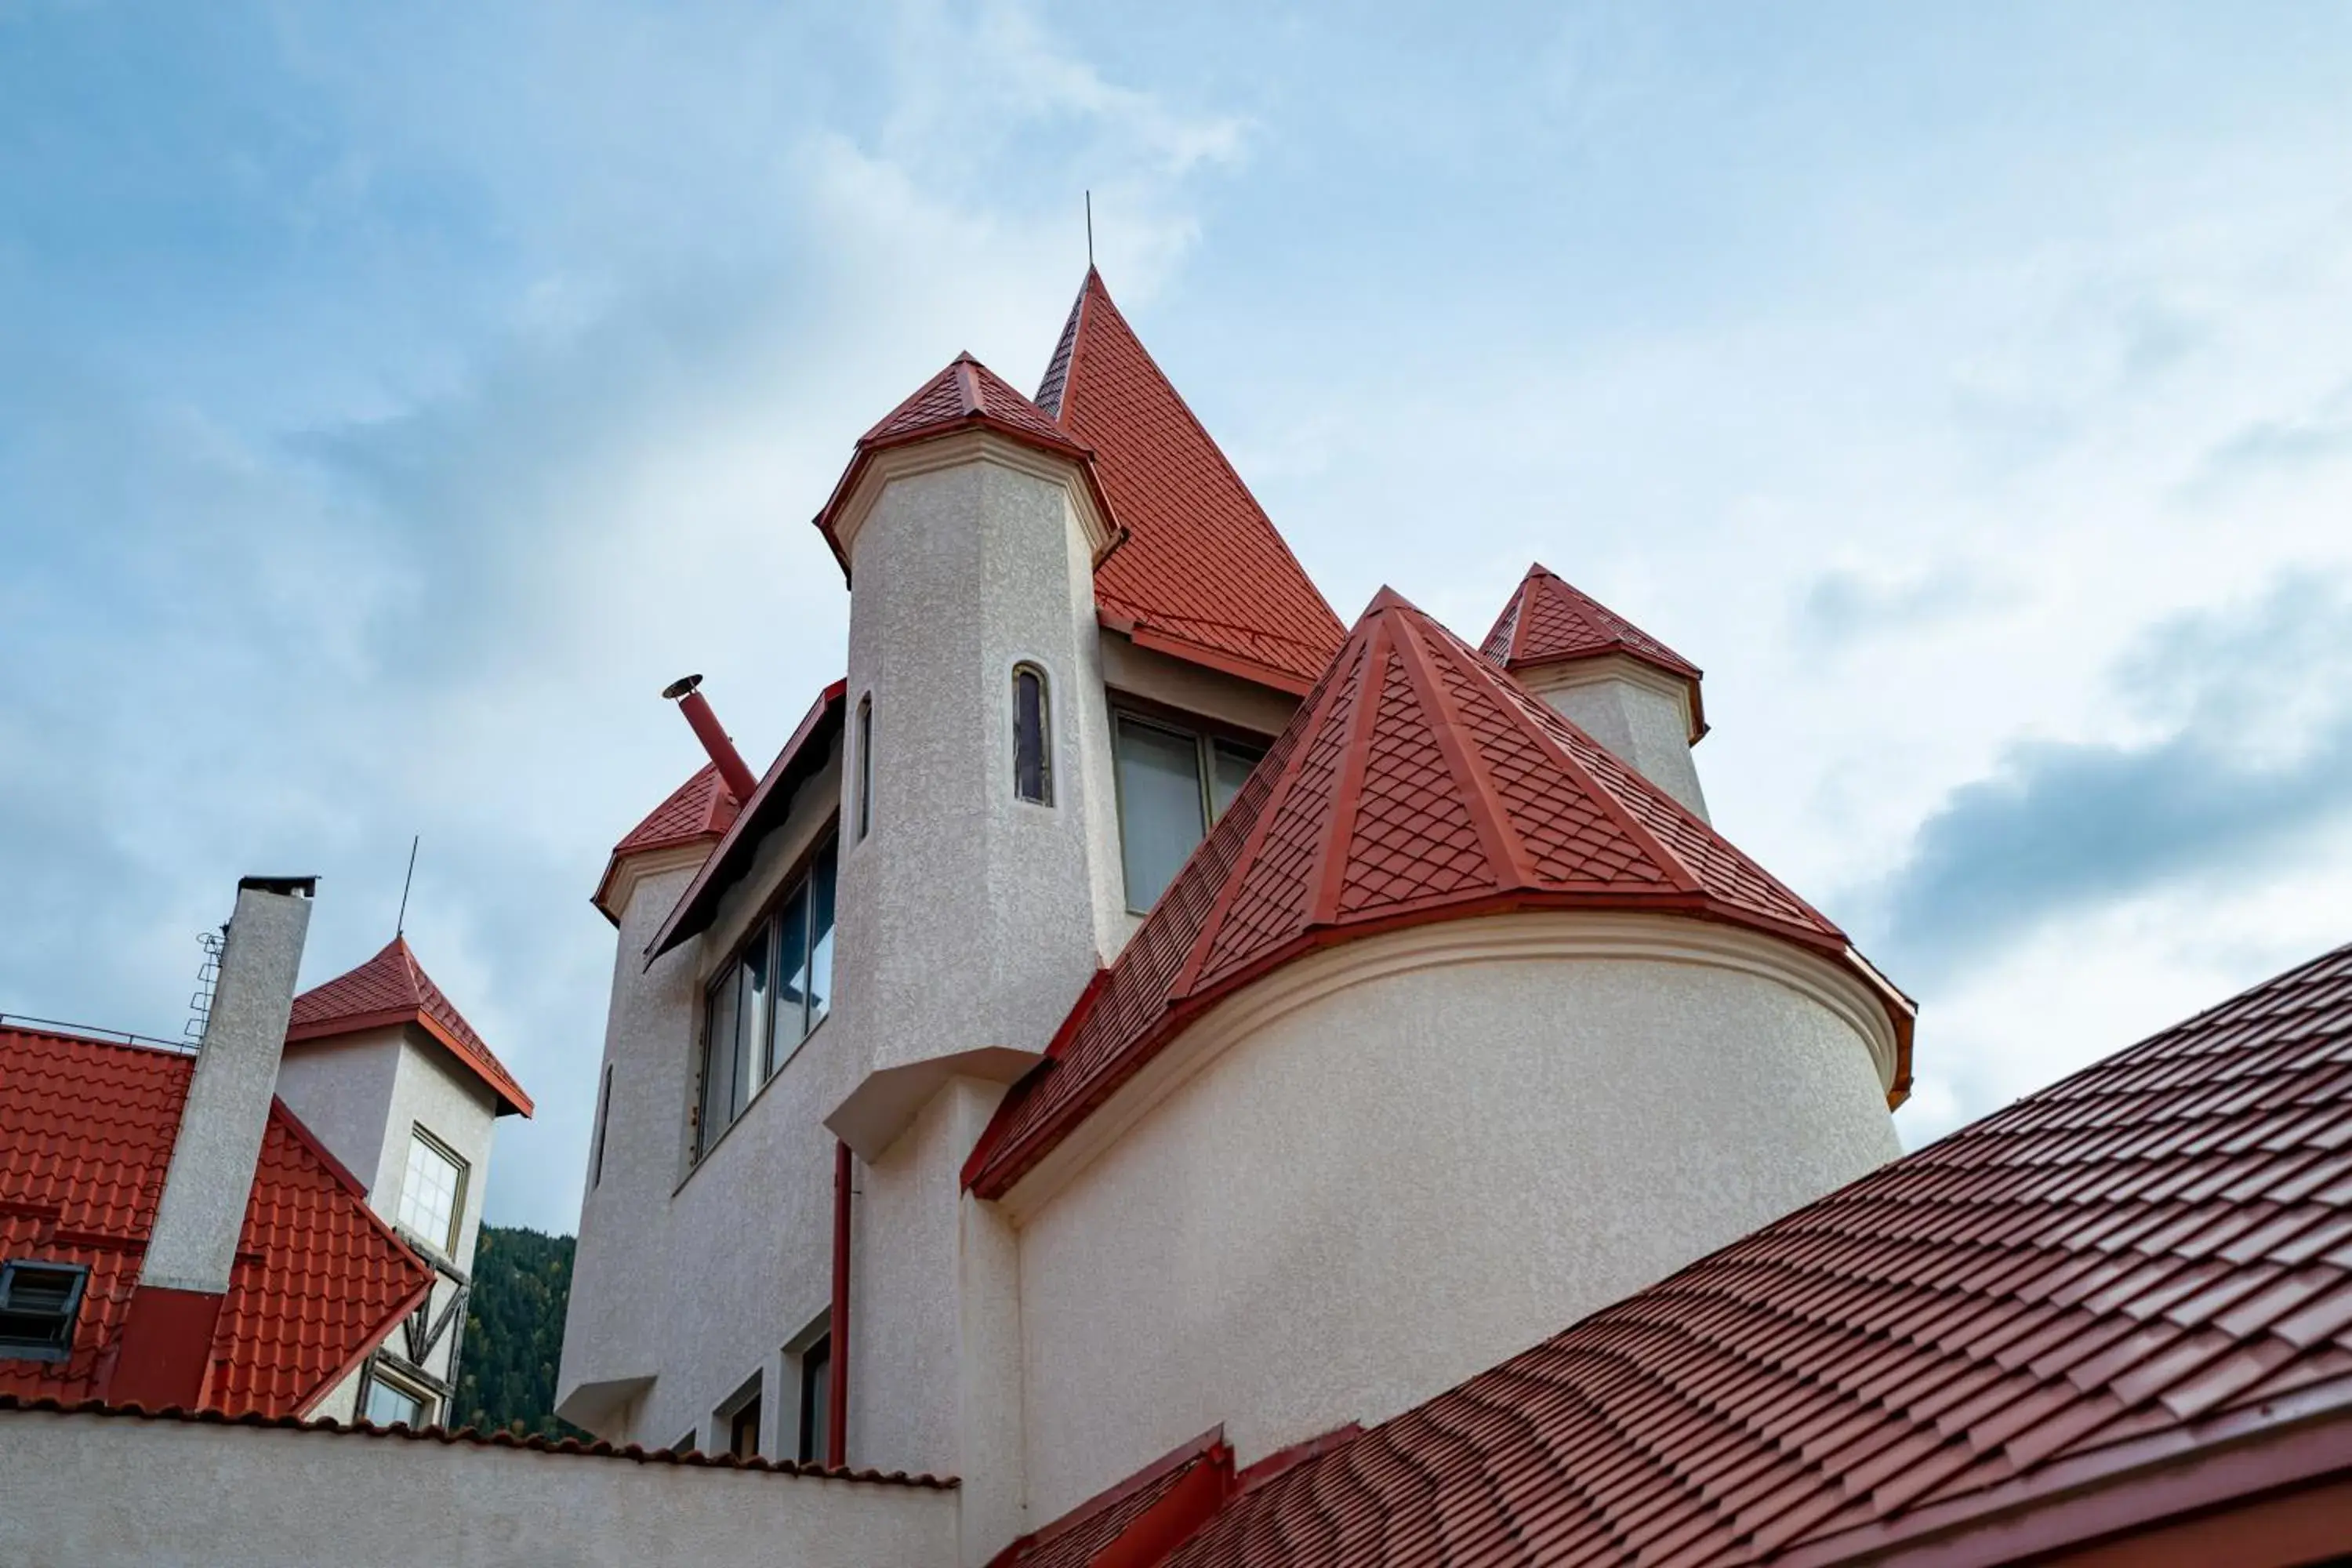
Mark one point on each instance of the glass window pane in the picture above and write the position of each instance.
(1159, 807)
(759, 1009)
(387, 1404)
(428, 1192)
(719, 1059)
(792, 964)
(817, 1376)
(820, 972)
(1032, 775)
(1229, 770)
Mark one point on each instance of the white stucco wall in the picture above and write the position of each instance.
(340, 1089)
(83, 1489)
(1402, 1181)
(1638, 713)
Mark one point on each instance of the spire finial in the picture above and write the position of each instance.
(400, 925)
(1090, 231)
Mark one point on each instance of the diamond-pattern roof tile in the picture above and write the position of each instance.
(1202, 574)
(393, 988)
(1415, 782)
(702, 807)
(1549, 621)
(86, 1134)
(2039, 1288)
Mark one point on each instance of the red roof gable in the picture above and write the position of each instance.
(1416, 783)
(85, 1135)
(966, 396)
(393, 988)
(1202, 574)
(2112, 1284)
(1548, 621)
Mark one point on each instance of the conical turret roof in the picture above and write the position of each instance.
(1549, 620)
(1201, 574)
(393, 988)
(1417, 782)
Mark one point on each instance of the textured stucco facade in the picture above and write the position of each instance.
(179, 1493)
(1642, 715)
(1400, 1180)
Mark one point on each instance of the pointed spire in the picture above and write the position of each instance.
(393, 988)
(1416, 783)
(1202, 574)
(1549, 621)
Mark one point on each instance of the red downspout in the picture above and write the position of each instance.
(704, 724)
(836, 1394)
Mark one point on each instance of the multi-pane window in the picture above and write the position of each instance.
(1173, 783)
(432, 1190)
(766, 999)
(38, 1303)
(389, 1404)
(1033, 736)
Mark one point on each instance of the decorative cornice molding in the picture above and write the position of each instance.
(981, 445)
(1538, 934)
(1566, 674)
(630, 872)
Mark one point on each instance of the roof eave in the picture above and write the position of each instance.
(829, 516)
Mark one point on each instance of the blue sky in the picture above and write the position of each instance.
(393, 398)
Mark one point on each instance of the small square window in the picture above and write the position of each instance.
(38, 1303)
(433, 1191)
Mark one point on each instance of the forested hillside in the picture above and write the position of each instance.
(514, 1333)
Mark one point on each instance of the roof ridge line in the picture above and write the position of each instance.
(1188, 974)
(1330, 874)
(1512, 699)
(1464, 759)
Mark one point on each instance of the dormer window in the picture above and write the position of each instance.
(1033, 736)
(38, 1304)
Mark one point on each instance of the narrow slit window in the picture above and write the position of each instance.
(604, 1113)
(1033, 736)
(817, 1386)
(865, 764)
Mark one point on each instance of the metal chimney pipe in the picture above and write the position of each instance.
(704, 724)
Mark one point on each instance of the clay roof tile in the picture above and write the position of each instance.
(393, 988)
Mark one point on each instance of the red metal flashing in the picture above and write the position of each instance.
(2111, 1323)
(393, 988)
(1203, 575)
(1417, 782)
(165, 1352)
(1136, 1522)
(86, 1134)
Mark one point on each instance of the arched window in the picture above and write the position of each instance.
(1033, 736)
(865, 764)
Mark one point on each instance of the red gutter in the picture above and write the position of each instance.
(836, 1393)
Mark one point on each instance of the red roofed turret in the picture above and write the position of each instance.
(1626, 688)
(1202, 574)
(393, 988)
(1417, 782)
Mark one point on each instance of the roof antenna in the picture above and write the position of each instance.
(401, 925)
(1090, 231)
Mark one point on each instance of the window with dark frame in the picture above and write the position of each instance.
(743, 1429)
(816, 1378)
(865, 765)
(604, 1110)
(38, 1305)
(1174, 783)
(767, 999)
(1033, 736)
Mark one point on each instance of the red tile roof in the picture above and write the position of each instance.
(2142, 1265)
(699, 811)
(1202, 574)
(1416, 783)
(966, 396)
(1136, 1521)
(393, 988)
(1549, 621)
(86, 1134)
